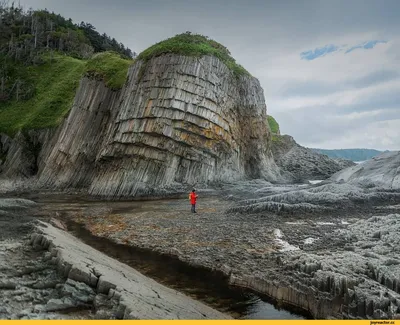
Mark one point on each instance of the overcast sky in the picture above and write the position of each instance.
(330, 69)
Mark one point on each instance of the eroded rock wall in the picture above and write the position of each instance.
(177, 120)
(21, 156)
(71, 161)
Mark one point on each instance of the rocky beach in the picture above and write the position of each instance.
(330, 250)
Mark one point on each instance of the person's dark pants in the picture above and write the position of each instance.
(194, 208)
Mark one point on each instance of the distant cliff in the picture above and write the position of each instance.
(350, 154)
(300, 164)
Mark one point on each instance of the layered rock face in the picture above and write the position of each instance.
(71, 162)
(178, 120)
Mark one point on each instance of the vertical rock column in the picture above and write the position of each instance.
(72, 160)
(183, 120)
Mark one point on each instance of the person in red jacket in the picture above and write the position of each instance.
(193, 197)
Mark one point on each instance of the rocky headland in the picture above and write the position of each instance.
(177, 121)
(380, 171)
(181, 120)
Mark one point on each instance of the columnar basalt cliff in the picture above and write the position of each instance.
(178, 119)
(184, 114)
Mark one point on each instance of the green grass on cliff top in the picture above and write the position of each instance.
(110, 67)
(55, 84)
(273, 124)
(194, 45)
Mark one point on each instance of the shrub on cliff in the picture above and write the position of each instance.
(194, 45)
(110, 67)
(273, 125)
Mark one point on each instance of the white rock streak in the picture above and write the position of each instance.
(286, 247)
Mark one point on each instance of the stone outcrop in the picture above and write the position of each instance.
(177, 120)
(23, 154)
(381, 171)
(122, 292)
(349, 273)
(46, 273)
(300, 164)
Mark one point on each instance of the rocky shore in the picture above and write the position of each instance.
(330, 249)
(47, 273)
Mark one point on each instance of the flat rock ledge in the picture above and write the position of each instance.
(130, 295)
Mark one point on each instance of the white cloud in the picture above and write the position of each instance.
(340, 98)
(381, 135)
(347, 112)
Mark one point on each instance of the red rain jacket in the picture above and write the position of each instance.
(193, 197)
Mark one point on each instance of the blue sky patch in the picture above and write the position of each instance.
(366, 45)
(322, 51)
(318, 52)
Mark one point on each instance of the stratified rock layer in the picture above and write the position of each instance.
(59, 277)
(177, 120)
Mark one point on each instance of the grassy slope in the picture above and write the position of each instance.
(193, 45)
(55, 84)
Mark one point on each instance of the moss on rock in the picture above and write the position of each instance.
(194, 45)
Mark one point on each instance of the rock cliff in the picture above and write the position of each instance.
(187, 115)
(21, 156)
(300, 164)
(177, 120)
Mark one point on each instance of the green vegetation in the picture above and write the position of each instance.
(22, 31)
(110, 67)
(273, 125)
(26, 35)
(55, 82)
(42, 58)
(194, 45)
(52, 86)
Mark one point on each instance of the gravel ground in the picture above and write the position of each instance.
(309, 246)
(30, 285)
(294, 243)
